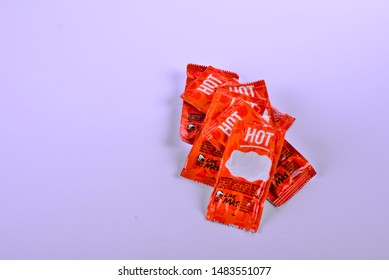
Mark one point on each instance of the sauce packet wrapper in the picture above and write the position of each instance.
(246, 171)
(292, 173)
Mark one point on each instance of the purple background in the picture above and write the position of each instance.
(89, 117)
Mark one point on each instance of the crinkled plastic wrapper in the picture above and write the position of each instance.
(244, 178)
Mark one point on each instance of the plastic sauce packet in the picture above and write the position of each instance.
(203, 161)
(200, 92)
(292, 173)
(192, 119)
(246, 170)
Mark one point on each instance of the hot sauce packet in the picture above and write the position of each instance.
(246, 171)
(203, 161)
(292, 173)
(192, 119)
(200, 92)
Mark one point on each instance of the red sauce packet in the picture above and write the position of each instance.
(246, 171)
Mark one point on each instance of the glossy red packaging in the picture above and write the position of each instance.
(246, 171)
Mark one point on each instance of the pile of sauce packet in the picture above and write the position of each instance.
(238, 146)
